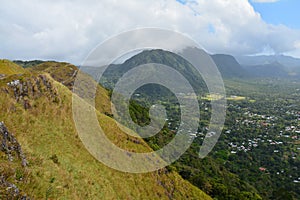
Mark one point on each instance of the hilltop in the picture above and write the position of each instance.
(8, 68)
(36, 109)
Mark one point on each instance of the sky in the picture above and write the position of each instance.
(280, 12)
(68, 30)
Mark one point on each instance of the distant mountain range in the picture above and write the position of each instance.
(271, 66)
(229, 66)
(276, 66)
(257, 66)
(287, 61)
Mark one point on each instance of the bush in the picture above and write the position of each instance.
(54, 158)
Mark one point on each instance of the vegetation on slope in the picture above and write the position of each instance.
(59, 166)
(8, 68)
(27, 64)
(114, 72)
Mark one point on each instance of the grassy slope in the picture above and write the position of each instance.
(63, 73)
(8, 68)
(47, 129)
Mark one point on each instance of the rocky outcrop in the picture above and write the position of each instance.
(12, 149)
(32, 88)
(69, 83)
(168, 186)
(9, 190)
(10, 146)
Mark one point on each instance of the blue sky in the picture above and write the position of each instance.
(285, 12)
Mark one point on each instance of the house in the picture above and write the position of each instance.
(262, 169)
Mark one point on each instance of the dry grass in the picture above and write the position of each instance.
(8, 68)
(47, 131)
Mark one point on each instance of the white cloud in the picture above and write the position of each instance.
(68, 30)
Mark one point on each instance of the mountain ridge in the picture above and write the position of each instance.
(59, 165)
(230, 66)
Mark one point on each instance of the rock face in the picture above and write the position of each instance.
(11, 190)
(32, 88)
(11, 147)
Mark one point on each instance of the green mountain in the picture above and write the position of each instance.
(30, 63)
(114, 72)
(228, 66)
(274, 69)
(208, 174)
(42, 156)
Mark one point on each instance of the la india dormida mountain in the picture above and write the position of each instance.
(256, 157)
